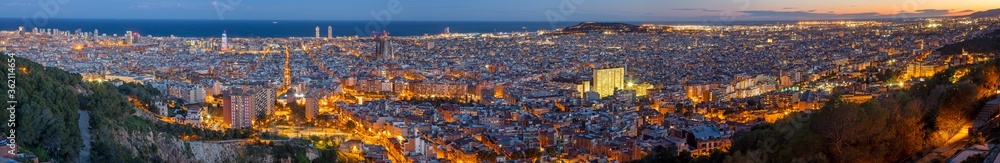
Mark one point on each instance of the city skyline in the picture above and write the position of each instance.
(563, 81)
(518, 10)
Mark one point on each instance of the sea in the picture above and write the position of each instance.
(294, 28)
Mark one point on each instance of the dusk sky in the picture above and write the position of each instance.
(503, 10)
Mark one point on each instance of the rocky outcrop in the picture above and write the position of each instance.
(171, 149)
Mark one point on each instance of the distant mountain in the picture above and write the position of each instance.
(597, 26)
(589, 27)
(987, 13)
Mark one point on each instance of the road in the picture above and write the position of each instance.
(84, 125)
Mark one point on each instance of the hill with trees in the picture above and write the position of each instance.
(902, 126)
(49, 102)
(987, 13)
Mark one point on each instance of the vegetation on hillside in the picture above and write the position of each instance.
(987, 43)
(900, 126)
(48, 100)
(46, 114)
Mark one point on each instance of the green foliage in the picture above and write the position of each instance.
(106, 104)
(771, 142)
(112, 152)
(293, 151)
(888, 76)
(486, 155)
(529, 153)
(893, 128)
(39, 152)
(48, 101)
(666, 154)
(214, 111)
(987, 43)
(887, 129)
(327, 155)
(144, 93)
(977, 158)
(298, 111)
(350, 125)
(46, 114)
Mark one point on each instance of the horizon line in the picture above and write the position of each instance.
(415, 20)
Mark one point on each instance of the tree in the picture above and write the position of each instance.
(350, 125)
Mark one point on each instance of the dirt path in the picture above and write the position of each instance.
(84, 125)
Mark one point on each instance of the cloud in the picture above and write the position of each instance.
(813, 15)
(769, 13)
(963, 11)
(696, 9)
(923, 13)
(139, 7)
(932, 11)
(789, 8)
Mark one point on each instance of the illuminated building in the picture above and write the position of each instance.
(129, 38)
(856, 98)
(190, 93)
(237, 110)
(700, 92)
(225, 42)
(384, 49)
(625, 95)
(329, 31)
(311, 106)
(707, 138)
(241, 105)
(317, 31)
(640, 89)
(583, 87)
(917, 70)
(606, 81)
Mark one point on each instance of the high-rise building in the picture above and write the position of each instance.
(196, 94)
(311, 105)
(384, 50)
(225, 42)
(242, 105)
(96, 33)
(129, 38)
(20, 29)
(317, 31)
(606, 81)
(237, 110)
(329, 31)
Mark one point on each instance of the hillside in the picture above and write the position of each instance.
(987, 13)
(597, 26)
(609, 27)
(51, 101)
(901, 126)
(987, 43)
(47, 104)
